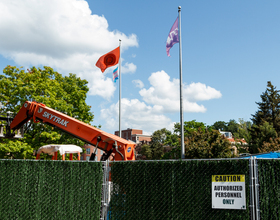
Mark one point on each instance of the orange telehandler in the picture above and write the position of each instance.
(108, 143)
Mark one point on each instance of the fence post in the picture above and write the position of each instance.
(256, 189)
(105, 191)
(252, 199)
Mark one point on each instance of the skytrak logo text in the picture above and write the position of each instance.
(55, 119)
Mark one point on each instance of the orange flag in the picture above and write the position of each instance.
(109, 59)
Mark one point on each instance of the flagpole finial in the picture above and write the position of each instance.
(179, 8)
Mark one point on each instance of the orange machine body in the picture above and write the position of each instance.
(87, 133)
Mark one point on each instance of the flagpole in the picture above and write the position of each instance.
(120, 132)
(181, 89)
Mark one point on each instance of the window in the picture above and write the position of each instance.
(88, 150)
(87, 158)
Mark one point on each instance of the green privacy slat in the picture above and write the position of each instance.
(50, 189)
(172, 189)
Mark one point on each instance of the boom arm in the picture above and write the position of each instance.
(123, 149)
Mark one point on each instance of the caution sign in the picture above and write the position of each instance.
(228, 192)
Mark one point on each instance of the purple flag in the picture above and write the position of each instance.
(173, 37)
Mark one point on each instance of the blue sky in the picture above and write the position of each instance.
(230, 50)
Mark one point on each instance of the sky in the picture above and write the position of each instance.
(230, 49)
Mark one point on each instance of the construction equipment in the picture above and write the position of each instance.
(108, 143)
(5, 131)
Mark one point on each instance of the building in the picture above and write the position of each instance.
(135, 135)
(89, 149)
(233, 141)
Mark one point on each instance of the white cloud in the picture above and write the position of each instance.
(162, 97)
(165, 92)
(62, 34)
(138, 83)
(200, 92)
(138, 115)
(128, 68)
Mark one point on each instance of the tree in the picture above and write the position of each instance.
(146, 152)
(269, 108)
(231, 126)
(243, 130)
(15, 150)
(203, 144)
(266, 121)
(65, 94)
(189, 127)
(158, 141)
(273, 144)
(220, 125)
(265, 135)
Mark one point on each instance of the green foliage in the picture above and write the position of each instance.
(158, 142)
(174, 153)
(202, 144)
(273, 144)
(189, 127)
(172, 189)
(172, 140)
(160, 136)
(208, 144)
(266, 121)
(65, 94)
(231, 126)
(220, 125)
(243, 130)
(146, 151)
(32, 189)
(268, 108)
(11, 149)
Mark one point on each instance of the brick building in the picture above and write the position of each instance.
(89, 149)
(135, 135)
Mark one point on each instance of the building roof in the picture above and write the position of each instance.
(229, 136)
(232, 140)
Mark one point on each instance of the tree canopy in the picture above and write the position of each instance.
(202, 144)
(66, 94)
(231, 126)
(190, 127)
(266, 121)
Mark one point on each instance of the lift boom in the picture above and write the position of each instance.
(109, 143)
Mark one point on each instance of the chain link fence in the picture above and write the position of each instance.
(32, 189)
(269, 188)
(171, 189)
